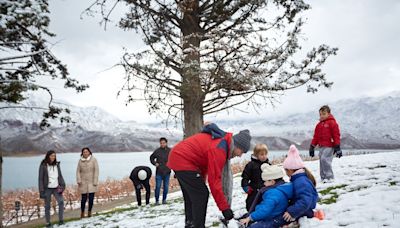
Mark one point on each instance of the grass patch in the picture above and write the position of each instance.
(333, 194)
(358, 188)
(392, 183)
(330, 189)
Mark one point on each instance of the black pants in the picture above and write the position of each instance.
(195, 195)
(250, 198)
(146, 185)
(84, 199)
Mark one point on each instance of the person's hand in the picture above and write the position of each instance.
(288, 217)
(79, 183)
(248, 190)
(157, 164)
(339, 154)
(312, 150)
(228, 214)
(337, 151)
(139, 186)
(245, 221)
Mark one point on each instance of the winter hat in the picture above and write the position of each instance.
(293, 159)
(271, 172)
(242, 140)
(142, 175)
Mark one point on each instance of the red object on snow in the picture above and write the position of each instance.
(327, 133)
(207, 156)
(319, 214)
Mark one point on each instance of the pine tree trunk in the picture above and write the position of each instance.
(191, 91)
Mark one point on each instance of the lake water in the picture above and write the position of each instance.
(22, 172)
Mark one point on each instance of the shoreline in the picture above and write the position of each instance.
(34, 154)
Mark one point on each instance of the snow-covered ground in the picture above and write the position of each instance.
(366, 193)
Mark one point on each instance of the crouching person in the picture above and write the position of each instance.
(140, 176)
(272, 200)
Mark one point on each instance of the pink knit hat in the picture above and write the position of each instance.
(293, 160)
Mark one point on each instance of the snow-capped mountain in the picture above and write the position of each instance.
(368, 119)
(368, 122)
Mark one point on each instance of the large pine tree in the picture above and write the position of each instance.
(205, 56)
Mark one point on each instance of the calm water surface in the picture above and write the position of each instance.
(22, 172)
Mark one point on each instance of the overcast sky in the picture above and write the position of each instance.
(365, 31)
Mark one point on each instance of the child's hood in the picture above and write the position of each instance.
(330, 117)
(255, 159)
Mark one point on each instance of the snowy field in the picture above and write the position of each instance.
(366, 193)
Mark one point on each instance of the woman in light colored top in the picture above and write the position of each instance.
(51, 182)
(87, 177)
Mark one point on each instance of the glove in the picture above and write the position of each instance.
(337, 151)
(248, 189)
(311, 150)
(228, 214)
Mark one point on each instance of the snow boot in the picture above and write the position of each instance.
(82, 215)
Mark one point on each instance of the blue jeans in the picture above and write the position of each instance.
(160, 179)
(47, 204)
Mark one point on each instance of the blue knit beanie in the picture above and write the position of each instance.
(242, 140)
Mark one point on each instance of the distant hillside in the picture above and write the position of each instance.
(365, 123)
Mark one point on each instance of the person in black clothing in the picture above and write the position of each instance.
(159, 158)
(140, 176)
(251, 175)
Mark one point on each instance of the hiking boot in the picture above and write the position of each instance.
(157, 203)
(89, 214)
(60, 223)
(82, 215)
(164, 202)
(49, 225)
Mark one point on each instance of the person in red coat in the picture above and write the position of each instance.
(327, 137)
(204, 156)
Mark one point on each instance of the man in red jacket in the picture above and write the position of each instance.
(203, 156)
(327, 137)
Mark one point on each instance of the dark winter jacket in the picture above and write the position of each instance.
(160, 156)
(44, 177)
(327, 133)
(205, 152)
(274, 202)
(134, 174)
(251, 175)
(305, 196)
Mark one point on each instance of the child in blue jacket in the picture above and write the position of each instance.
(275, 198)
(305, 195)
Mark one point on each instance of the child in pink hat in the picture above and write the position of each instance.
(305, 195)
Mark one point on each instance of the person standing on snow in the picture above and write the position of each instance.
(159, 158)
(327, 137)
(140, 176)
(206, 155)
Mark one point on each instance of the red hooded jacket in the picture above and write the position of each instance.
(206, 155)
(327, 133)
